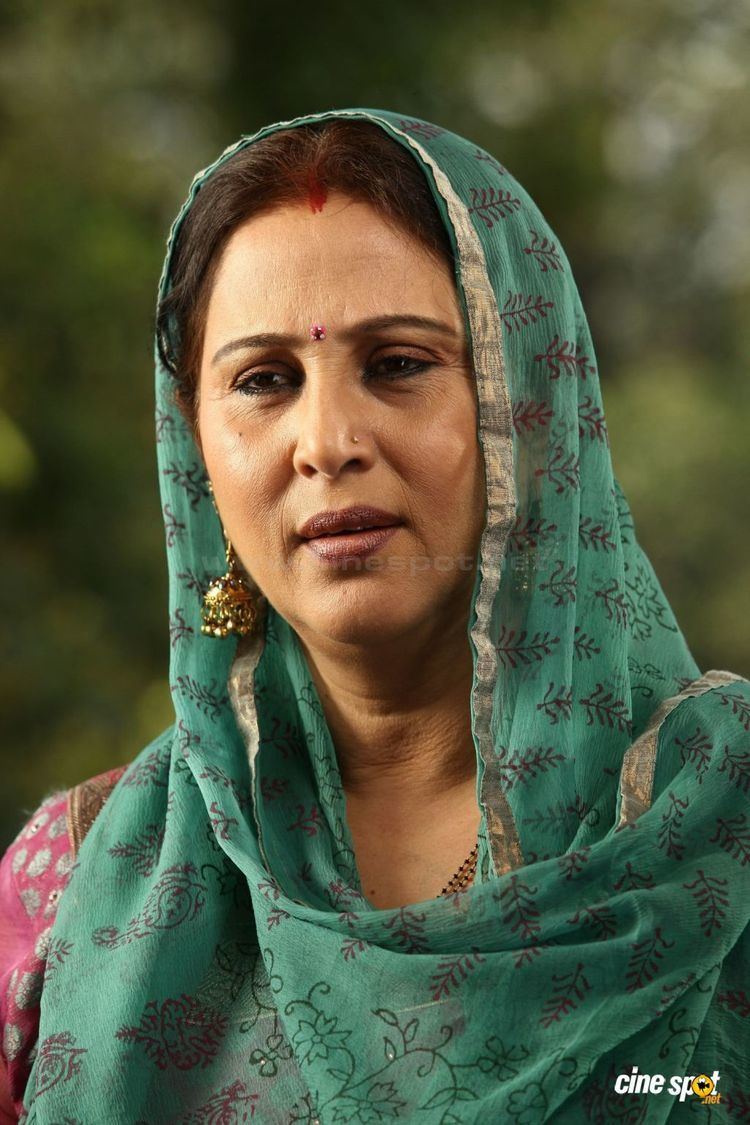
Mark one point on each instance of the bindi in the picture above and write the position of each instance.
(317, 331)
(317, 194)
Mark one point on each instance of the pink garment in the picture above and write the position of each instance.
(33, 873)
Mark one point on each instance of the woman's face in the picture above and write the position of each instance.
(278, 408)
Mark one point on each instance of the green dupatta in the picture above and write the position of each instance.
(214, 959)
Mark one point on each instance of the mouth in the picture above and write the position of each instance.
(347, 521)
(352, 532)
(348, 546)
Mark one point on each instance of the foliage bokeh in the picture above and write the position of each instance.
(629, 127)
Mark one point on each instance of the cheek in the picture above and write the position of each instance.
(246, 475)
(225, 452)
(448, 457)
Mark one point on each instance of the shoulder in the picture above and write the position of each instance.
(34, 872)
(85, 801)
(719, 701)
(34, 860)
(44, 850)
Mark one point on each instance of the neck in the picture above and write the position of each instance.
(398, 712)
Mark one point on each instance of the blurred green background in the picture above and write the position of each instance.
(629, 125)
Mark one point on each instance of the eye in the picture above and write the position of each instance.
(389, 368)
(396, 367)
(261, 382)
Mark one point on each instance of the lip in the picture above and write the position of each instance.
(330, 522)
(350, 545)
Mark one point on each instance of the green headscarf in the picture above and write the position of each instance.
(214, 958)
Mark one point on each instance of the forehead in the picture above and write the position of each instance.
(344, 260)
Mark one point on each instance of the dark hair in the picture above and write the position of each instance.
(354, 157)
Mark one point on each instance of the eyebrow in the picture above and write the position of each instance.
(363, 327)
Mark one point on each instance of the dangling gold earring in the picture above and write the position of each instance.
(229, 605)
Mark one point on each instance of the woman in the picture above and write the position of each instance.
(449, 826)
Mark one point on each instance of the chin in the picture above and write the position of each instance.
(359, 615)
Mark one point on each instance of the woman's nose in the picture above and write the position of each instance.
(327, 421)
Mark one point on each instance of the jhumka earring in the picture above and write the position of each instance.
(229, 605)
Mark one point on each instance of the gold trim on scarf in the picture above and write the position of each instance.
(241, 690)
(639, 763)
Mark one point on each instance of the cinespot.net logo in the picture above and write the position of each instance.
(680, 1086)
